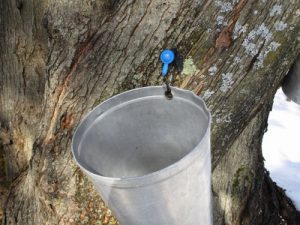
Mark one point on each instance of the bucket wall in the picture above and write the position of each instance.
(149, 156)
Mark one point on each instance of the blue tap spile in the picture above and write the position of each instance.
(167, 56)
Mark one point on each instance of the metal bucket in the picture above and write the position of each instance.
(149, 156)
(291, 83)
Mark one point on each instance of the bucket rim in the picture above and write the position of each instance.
(161, 174)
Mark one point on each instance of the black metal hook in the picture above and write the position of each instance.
(168, 92)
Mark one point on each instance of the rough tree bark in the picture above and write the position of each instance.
(59, 59)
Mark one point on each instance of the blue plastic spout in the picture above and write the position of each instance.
(167, 56)
(165, 69)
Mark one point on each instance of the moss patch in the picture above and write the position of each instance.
(242, 181)
(270, 58)
(236, 179)
(189, 68)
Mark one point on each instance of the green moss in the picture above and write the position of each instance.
(271, 57)
(236, 179)
(189, 68)
(242, 181)
(279, 37)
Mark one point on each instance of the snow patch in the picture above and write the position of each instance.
(281, 146)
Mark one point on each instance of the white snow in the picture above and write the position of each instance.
(281, 146)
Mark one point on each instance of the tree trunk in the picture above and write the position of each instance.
(59, 59)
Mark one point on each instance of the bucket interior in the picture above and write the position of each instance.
(141, 136)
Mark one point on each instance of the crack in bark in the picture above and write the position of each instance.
(82, 52)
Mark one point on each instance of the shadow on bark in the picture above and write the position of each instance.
(278, 202)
